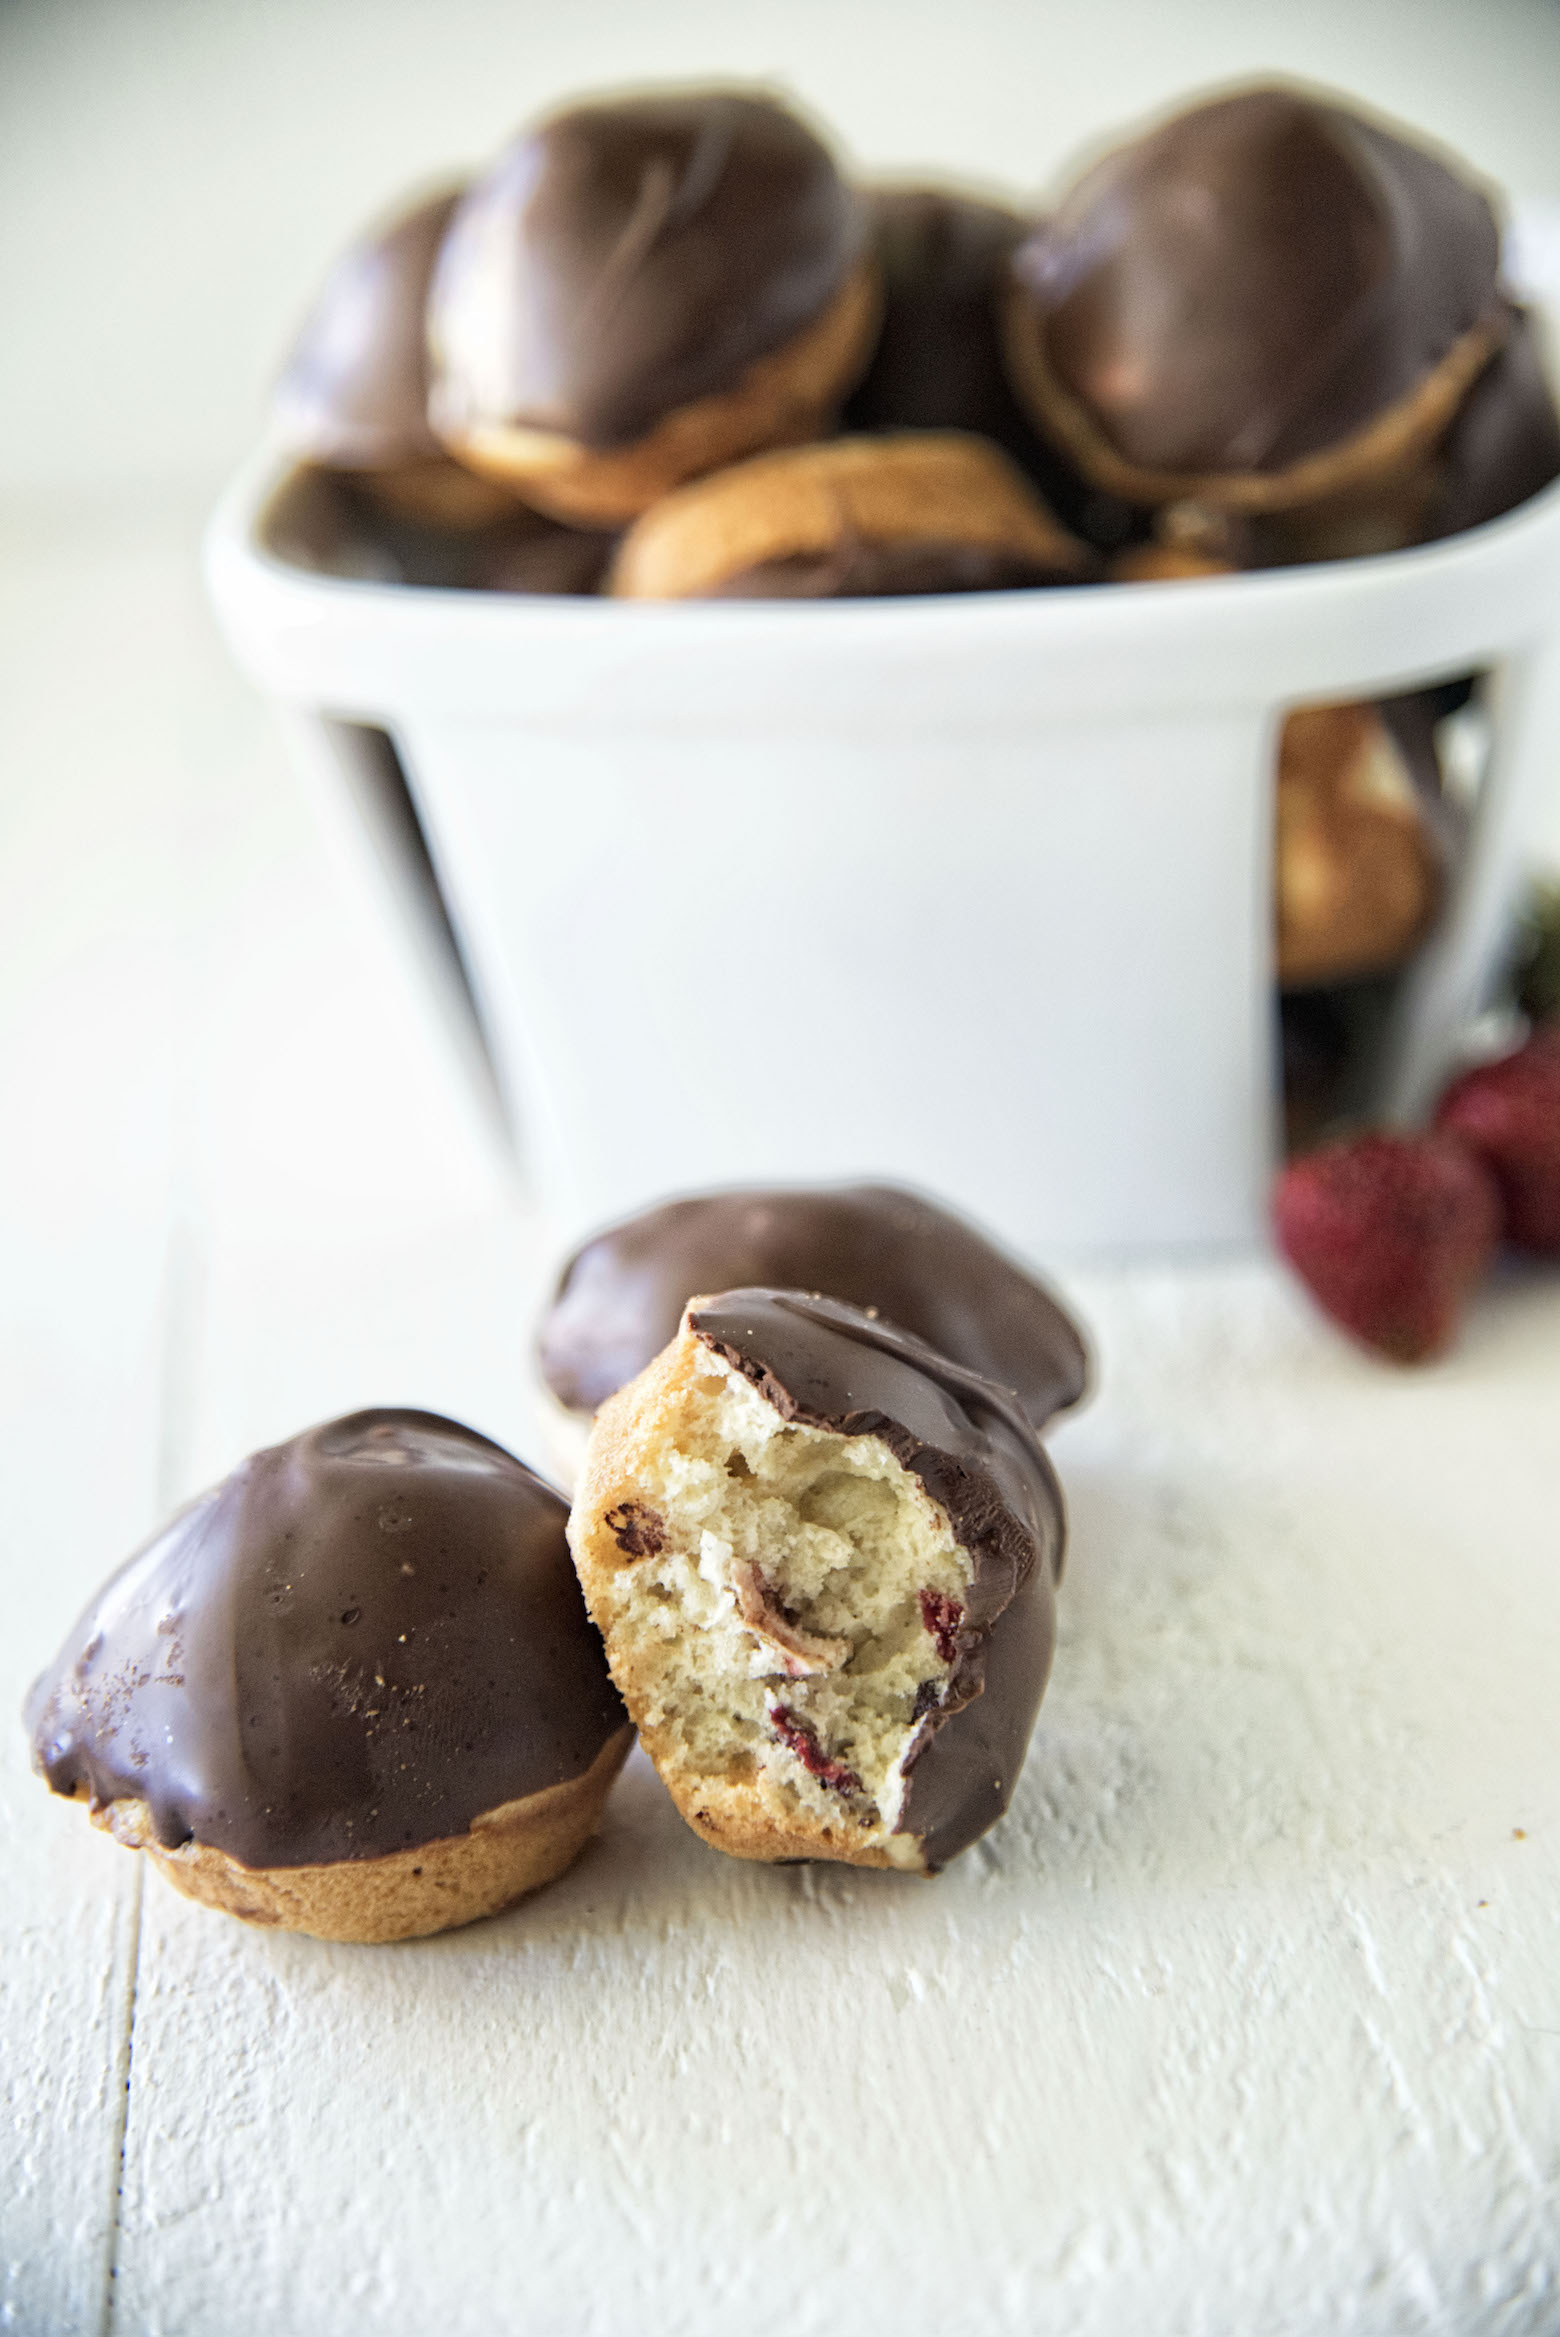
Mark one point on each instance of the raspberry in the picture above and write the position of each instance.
(1390, 1234)
(800, 1737)
(1509, 1114)
(942, 1617)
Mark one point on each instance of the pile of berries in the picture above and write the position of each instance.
(1392, 1233)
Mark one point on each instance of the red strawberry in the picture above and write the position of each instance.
(1390, 1234)
(1509, 1112)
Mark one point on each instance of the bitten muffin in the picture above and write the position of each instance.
(638, 292)
(908, 512)
(823, 1558)
(353, 395)
(352, 1691)
(1269, 305)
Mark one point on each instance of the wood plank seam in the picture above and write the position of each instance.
(182, 1300)
(124, 2070)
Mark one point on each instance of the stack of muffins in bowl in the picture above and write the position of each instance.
(1269, 330)
(664, 349)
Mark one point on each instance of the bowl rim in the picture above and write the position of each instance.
(1356, 627)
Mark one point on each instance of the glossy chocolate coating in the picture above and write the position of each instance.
(1256, 280)
(938, 364)
(829, 1365)
(354, 392)
(938, 361)
(858, 570)
(623, 260)
(356, 1643)
(621, 1297)
(1505, 442)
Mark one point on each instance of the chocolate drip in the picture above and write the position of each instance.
(620, 1298)
(358, 1642)
(829, 1365)
(1256, 280)
(354, 392)
(624, 260)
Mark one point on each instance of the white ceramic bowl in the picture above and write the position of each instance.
(973, 892)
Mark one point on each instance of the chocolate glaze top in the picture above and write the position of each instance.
(938, 364)
(623, 260)
(354, 392)
(356, 1643)
(1256, 280)
(938, 361)
(829, 1365)
(620, 1298)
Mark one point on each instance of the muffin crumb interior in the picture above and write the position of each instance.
(792, 1596)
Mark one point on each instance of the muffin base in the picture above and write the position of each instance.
(1390, 449)
(782, 398)
(408, 1894)
(940, 487)
(438, 491)
(1358, 876)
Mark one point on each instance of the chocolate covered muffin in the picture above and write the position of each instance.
(352, 1690)
(908, 512)
(353, 395)
(638, 292)
(938, 363)
(1269, 305)
(1358, 867)
(823, 1558)
(621, 1296)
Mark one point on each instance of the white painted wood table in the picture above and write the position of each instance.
(1247, 2019)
